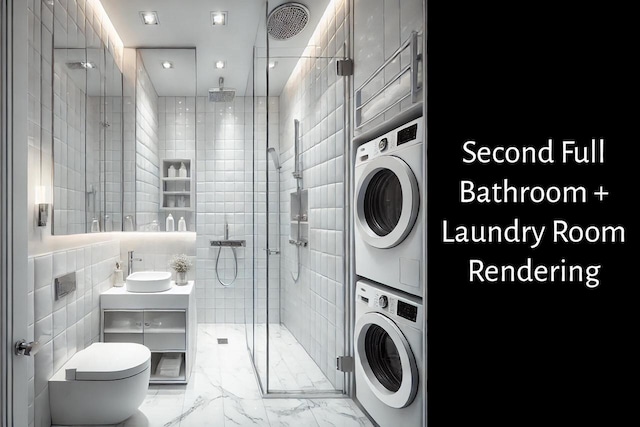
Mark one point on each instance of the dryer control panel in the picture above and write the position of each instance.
(388, 302)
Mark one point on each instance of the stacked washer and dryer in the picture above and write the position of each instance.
(389, 312)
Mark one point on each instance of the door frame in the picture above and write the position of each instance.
(13, 210)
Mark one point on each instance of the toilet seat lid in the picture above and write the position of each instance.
(108, 361)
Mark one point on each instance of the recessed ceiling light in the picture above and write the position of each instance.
(272, 64)
(219, 64)
(219, 18)
(149, 18)
(167, 64)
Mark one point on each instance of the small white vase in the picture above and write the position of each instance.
(181, 278)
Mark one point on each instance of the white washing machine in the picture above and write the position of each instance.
(388, 197)
(388, 339)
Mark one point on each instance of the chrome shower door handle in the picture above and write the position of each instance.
(24, 348)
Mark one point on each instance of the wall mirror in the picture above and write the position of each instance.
(88, 135)
(165, 141)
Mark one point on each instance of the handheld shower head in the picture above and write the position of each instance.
(274, 157)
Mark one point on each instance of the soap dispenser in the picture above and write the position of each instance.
(170, 224)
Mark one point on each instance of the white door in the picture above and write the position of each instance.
(387, 201)
(13, 211)
(389, 366)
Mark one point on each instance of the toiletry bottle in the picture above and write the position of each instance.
(118, 280)
(171, 172)
(170, 225)
(183, 170)
(95, 226)
(154, 226)
(182, 224)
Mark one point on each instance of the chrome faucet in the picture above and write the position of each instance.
(130, 263)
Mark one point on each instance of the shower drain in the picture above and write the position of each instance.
(223, 340)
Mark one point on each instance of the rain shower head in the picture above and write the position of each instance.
(274, 157)
(287, 20)
(220, 94)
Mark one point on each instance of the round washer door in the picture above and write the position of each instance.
(385, 356)
(387, 202)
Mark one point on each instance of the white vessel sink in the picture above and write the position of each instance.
(149, 281)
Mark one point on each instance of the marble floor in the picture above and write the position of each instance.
(291, 367)
(223, 391)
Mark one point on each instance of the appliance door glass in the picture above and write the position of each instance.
(384, 354)
(387, 201)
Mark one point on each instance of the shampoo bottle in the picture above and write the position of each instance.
(170, 225)
(183, 170)
(182, 224)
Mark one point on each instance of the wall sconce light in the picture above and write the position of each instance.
(42, 205)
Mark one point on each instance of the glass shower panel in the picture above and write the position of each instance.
(306, 126)
(259, 328)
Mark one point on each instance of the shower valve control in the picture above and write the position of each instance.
(383, 301)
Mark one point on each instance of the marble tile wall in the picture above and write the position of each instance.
(69, 324)
(313, 306)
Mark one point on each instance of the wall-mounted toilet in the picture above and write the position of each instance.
(103, 384)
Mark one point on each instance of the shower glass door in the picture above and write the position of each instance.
(299, 322)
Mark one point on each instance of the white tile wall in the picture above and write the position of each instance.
(65, 326)
(177, 140)
(225, 190)
(380, 27)
(313, 307)
(147, 150)
(72, 323)
(156, 249)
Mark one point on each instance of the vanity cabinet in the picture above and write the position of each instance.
(165, 322)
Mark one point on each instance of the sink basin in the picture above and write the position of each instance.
(149, 281)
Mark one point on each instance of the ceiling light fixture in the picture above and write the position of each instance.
(149, 18)
(219, 65)
(272, 64)
(166, 65)
(218, 18)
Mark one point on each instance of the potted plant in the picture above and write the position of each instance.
(181, 264)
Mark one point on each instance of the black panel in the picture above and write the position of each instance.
(408, 311)
(407, 134)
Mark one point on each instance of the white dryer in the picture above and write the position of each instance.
(388, 197)
(388, 339)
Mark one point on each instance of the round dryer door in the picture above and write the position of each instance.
(386, 358)
(387, 202)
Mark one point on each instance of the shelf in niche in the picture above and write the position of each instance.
(187, 209)
(177, 193)
(176, 179)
